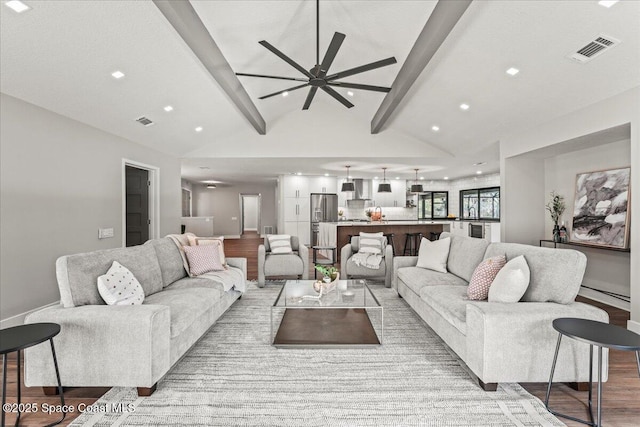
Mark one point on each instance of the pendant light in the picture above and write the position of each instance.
(416, 188)
(384, 186)
(348, 185)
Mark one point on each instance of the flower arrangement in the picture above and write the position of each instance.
(556, 207)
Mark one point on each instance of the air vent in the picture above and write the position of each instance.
(267, 229)
(144, 121)
(594, 48)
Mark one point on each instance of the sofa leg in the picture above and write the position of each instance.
(584, 386)
(147, 391)
(50, 391)
(487, 386)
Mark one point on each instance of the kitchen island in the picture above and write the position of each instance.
(343, 230)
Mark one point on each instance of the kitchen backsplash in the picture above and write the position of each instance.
(389, 213)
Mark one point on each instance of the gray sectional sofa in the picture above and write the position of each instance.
(503, 342)
(134, 346)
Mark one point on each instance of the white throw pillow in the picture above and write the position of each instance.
(371, 243)
(433, 255)
(280, 244)
(119, 286)
(511, 282)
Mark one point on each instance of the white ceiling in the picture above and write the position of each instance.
(60, 55)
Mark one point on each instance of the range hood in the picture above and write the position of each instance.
(362, 191)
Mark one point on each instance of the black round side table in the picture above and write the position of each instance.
(17, 339)
(601, 335)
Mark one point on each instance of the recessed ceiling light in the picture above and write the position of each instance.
(211, 186)
(397, 177)
(326, 174)
(199, 129)
(435, 128)
(375, 177)
(464, 107)
(446, 178)
(422, 177)
(607, 3)
(17, 6)
(298, 173)
(512, 71)
(117, 74)
(285, 93)
(168, 108)
(479, 172)
(349, 93)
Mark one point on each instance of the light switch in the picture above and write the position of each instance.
(105, 233)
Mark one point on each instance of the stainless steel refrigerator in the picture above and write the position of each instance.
(324, 208)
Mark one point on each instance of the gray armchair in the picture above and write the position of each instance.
(349, 270)
(295, 264)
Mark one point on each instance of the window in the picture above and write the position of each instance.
(433, 204)
(480, 203)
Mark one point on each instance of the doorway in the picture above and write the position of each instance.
(140, 207)
(250, 213)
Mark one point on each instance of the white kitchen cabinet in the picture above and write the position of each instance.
(302, 229)
(397, 197)
(343, 196)
(322, 184)
(296, 209)
(296, 186)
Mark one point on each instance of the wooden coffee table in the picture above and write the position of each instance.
(350, 316)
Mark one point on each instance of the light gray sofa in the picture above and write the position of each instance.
(132, 346)
(279, 265)
(350, 270)
(503, 342)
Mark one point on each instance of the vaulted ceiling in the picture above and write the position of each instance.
(60, 55)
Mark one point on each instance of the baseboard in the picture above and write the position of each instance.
(634, 326)
(18, 319)
(605, 299)
(231, 236)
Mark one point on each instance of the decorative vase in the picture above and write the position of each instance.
(556, 233)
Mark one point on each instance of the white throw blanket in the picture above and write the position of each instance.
(230, 278)
(367, 260)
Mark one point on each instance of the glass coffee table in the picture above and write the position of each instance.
(348, 316)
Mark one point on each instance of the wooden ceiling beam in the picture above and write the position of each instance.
(442, 20)
(184, 19)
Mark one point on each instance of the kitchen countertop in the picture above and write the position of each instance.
(378, 223)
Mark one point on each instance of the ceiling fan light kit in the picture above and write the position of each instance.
(317, 78)
(348, 186)
(384, 186)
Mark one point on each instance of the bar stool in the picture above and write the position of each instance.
(412, 243)
(433, 235)
(389, 237)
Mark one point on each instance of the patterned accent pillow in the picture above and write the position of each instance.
(372, 243)
(120, 287)
(511, 282)
(280, 244)
(203, 259)
(483, 276)
(218, 241)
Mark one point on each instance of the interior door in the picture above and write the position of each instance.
(137, 206)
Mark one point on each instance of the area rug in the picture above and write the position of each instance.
(234, 377)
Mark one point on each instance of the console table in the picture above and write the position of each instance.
(583, 245)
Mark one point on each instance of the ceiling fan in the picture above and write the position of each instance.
(317, 77)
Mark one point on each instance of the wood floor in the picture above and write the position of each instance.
(621, 397)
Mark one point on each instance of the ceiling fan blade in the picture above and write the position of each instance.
(297, 79)
(332, 51)
(285, 58)
(344, 101)
(359, 86)
(362, 68)
(312, 93)
(285, 90)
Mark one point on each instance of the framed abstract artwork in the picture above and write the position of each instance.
(601, 208)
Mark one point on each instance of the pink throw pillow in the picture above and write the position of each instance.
(483, 276)
(203, 259)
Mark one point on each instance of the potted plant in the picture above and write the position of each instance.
(556, 207)
(330, 273)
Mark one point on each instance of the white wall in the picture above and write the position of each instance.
(223, 203)
(61, 180)
(606, 270)
(250, 212)
(612, 112)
